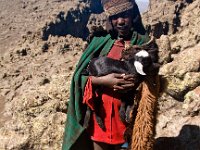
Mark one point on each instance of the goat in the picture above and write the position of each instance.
(138, 61)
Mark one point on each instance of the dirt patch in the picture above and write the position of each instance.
(3, 118)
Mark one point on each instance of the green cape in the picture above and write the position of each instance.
(75, 137)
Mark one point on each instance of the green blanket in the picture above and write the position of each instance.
(75, 137)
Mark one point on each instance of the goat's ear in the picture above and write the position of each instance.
(135, 46)
(139, 68)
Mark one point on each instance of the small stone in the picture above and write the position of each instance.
(22, 52)
(45, 47)
(44, 81)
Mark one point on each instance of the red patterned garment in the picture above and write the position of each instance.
(108, 108)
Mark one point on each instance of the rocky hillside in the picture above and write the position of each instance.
(176, 26)
(41, 42)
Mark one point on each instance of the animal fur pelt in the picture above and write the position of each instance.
(143, 116)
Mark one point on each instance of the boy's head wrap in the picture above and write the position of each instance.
(113, 7)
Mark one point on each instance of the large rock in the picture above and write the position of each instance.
(35, 78)
(175, 24)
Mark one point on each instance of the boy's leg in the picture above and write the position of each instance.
(100, 146)
(118, 147)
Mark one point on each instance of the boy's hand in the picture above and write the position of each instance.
(118, 82)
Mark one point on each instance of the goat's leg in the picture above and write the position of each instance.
(122, 112)
(100, 122)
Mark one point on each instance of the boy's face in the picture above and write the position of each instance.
(122, 23)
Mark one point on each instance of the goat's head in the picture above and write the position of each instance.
(142, 60)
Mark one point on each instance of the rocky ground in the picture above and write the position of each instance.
(41, 42)
(36, 63)
(176, 28)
